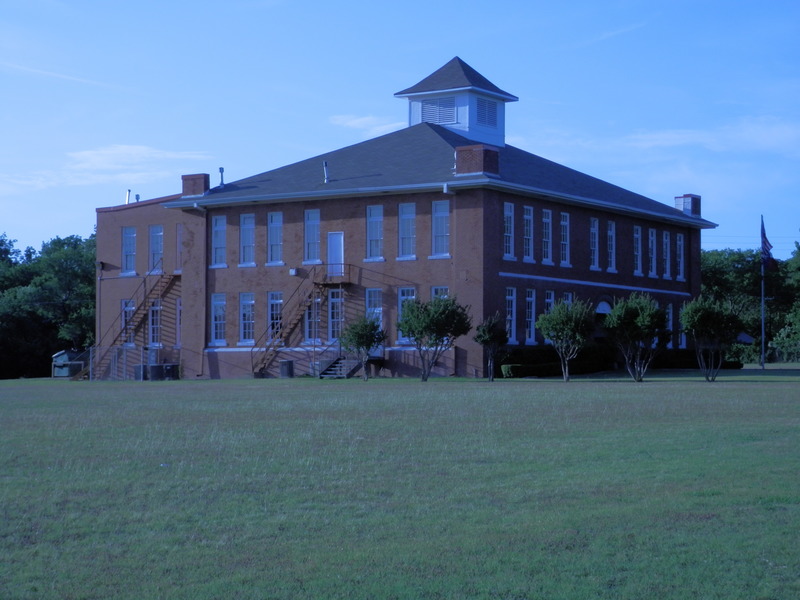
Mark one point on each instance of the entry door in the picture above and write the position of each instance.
(336, 253)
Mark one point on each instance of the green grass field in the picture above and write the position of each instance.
(600, 488)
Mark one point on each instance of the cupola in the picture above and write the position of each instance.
(459, 98)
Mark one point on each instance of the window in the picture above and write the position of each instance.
(682, 336)
(439, 291)
(407, 231)
(568, 297)
(128, 250)
(669, 325)
(565, 240)
(178, 247)
(651, 248)
(637, 250)
(679, 257)
(247, 240)
(439, 110)
(547, 237)
(154, 324)
(218, 319)
(311, 322)
(511, 314)
(508, 231)
(275, 238)
(274, 317)
(487, 112)
(404, 295)
(594, 255)
(247, 318)
(335, 314)
(374, 304)
(375, 232)
(178, 320)
(549, 300)
(527, 234)
(530, 316)
(666, 267)
(156, 256)
(440, 229)
(311, 252)
(128, 307)
(612, 247)
(218, 241)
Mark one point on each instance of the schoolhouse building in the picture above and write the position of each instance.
(258, 277)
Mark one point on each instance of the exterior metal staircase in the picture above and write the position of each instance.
(340, 368)
(154, 286)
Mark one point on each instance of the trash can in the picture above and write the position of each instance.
(287, 368)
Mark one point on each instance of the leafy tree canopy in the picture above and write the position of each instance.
(638, 327)
(362, 337)
(568, 327)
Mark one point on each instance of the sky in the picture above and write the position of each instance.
(662, 97)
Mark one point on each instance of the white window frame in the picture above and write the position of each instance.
(311, 237)
(155, 257)
(565, 241)
(312, 321)
(530, 317)
(407, 231)
(335, 313)
(275, 239)
(594, 250)
(568, 297)
(247, 240)
(274, 314)
(218, 241)
(374, 224)
(680, 257)
(178, 247)
(128, 251)
(127, 309)
(527, 234)
(652, 249)
(404, 294)
(154, 323)
(511, 314)
(218, 308)
(666, 259)
(549, 300)
(508, 231)
(440, 229)
(247, 319)
(611, 240)
(637, 250)
(373, 304)
(439, 291)
(547, 236)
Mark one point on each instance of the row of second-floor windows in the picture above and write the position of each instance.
(661, 254)
(375, 248)
(521, 314)
(320, 321)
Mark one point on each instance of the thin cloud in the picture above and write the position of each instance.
(370, 125)
(607, 35)
(54, 75)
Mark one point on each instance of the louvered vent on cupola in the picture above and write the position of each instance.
(439, 110)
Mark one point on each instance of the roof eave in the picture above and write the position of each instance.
(503, 96)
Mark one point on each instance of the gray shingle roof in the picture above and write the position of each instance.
(455, 75)
(421, 158)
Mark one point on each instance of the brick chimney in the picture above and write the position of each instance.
(479, 158)
(689, 204)
(196, 185)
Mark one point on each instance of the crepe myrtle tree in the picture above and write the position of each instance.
(713, 328)
(638, 327)
(361, 337)
(568, 326)
(433, 327)
(492, 335)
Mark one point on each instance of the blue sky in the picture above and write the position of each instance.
(660, 97)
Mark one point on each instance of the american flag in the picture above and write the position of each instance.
(766, 247)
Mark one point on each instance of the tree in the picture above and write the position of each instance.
(492, 335)
(714, 328)
(787, 340)
(433, 327)
(638, 327)
(568, 327)
(361, 337)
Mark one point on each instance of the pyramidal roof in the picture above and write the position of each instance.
(456, 75)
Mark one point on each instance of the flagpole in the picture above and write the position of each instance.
(763, 313)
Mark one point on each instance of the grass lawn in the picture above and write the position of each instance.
(599, 488)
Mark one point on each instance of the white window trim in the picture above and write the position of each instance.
(251, 228)
(407, 220)
(528, 239)
(666, 256)
(594, 244)
(680, 257)
(611, 246)
(547, 236)
(564, 244)
(508, 231)
(530, 317)
(440, 217)
(511, 315)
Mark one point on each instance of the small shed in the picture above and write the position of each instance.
(66, 363)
